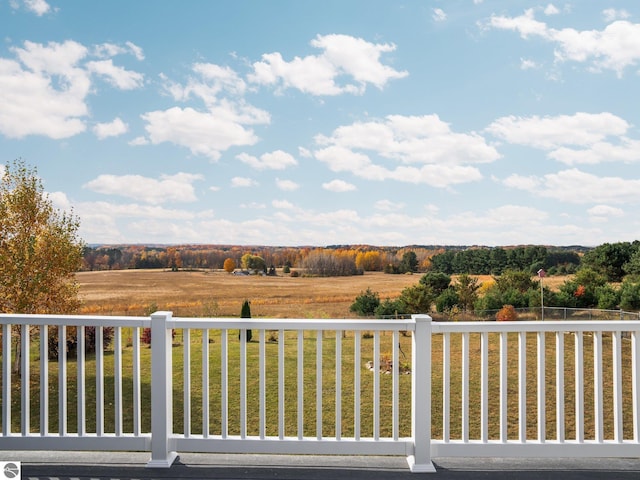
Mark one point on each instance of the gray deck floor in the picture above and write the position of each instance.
(110, 465)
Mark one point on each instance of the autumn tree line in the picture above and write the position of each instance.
(337, 260)
(328, 261)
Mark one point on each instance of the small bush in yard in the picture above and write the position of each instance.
(507, 314)
(72, 340)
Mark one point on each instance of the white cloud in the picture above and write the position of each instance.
(577, 187)
(611, 14)
(418, 149)
(304, 152)
(112, 129)
(203, 133)
(627, 151)
(39, 7)
(342, 56)
(243, 182)
(388, 205)
(549, 132)
(337, 186)
(582, 138)
(169, 188)
(116, 76)
(221, 125)
(44, 93)
(287, 185)
(107, 50)
(439, 15)
(614, 48)
(283, 204)
(44, 90)
(602, 213)
(210, 84)
(59, 200)
(253, 206)
(527, 64)
(139, 141)
(522, 183)
(276, 160)
(551, 9)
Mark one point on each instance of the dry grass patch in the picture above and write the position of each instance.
(217, 293)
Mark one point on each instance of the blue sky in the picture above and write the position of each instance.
(329, 122)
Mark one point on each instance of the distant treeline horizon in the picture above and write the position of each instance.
(449, 259)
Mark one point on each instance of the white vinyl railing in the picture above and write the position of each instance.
(301, 386)
(530, 372)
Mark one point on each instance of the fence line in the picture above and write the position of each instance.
(553, 388)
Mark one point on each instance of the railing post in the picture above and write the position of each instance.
(420, 461)
(161, 392)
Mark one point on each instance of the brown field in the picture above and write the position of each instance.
(217, 293)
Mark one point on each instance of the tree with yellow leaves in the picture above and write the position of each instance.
(39, 249)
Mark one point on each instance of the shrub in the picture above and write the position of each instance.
(447, 300)
(294, 273)
(507, 314)
(366, 303)
(72, 340)
(389, 308)
(286, 269)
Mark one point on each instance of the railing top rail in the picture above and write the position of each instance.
(74, 320)
(537, 326)
(293, 324)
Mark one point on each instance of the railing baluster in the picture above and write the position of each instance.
(300, 388)
(541, 385)
(224, 380)
(99, 381)
(117, 379)
(616, 347)
(263, 383)
(319, 384)
(560, 429)
(579, 374)
(186, 373)
(376, 385)
(635, 380)
(465, 387)
(281, 342)
(597, 386)
(81, 384)
(25, 362)
(484, 393)
(395, 362)
(137, 400)
(446, 386)
(338, 384)
(44, 380)
(6, 379)
(503, 387)
(522, 386)
(205, 385)
(357, 342)
(62, 380)
(243, 383)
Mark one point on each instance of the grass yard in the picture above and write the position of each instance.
(329, 388)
